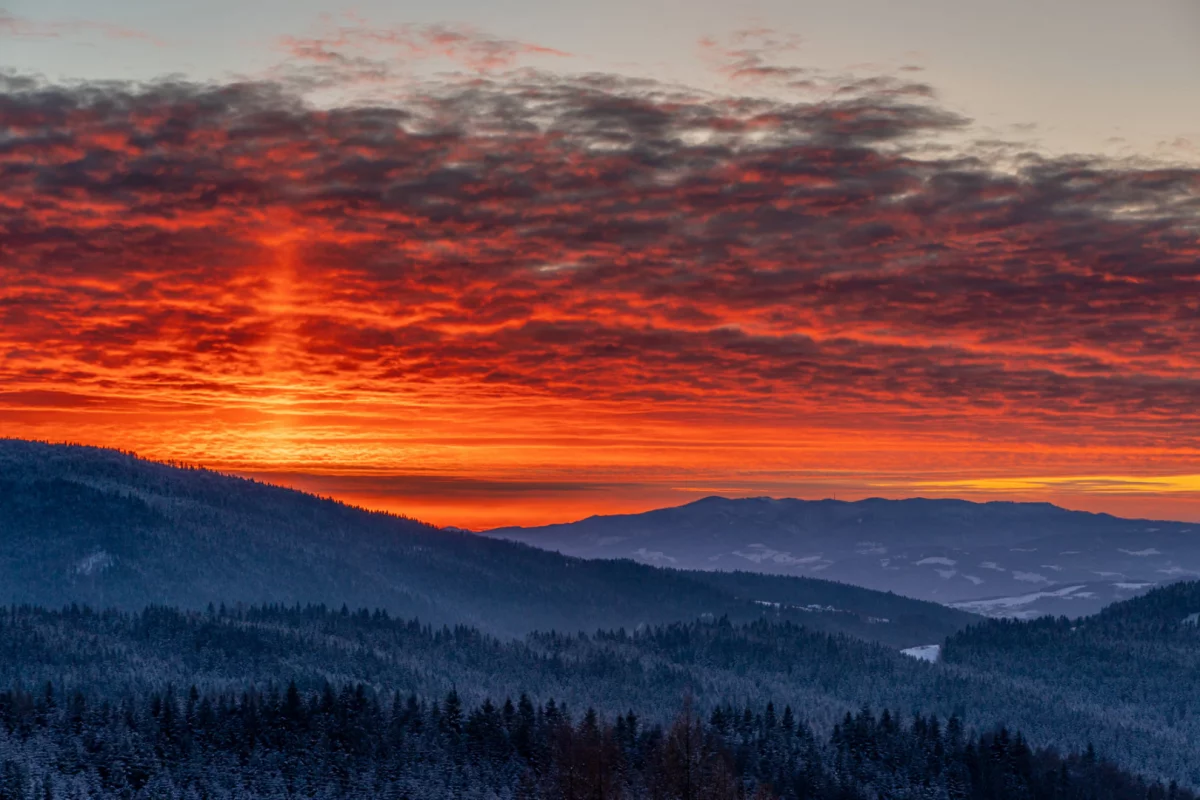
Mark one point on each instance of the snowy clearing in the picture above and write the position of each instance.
(926, 652)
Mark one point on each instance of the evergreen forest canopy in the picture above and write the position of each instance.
(354, 743)
(116, 664)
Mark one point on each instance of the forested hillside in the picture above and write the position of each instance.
(821, 676)
(1137, 663)
(94, 526)
(827, 597)
(609, 670)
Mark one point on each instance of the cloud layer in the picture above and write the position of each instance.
(600, 278)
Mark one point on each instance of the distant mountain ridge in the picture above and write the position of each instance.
(997, 558)
(105, 528)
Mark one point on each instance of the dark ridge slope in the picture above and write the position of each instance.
(105, 528)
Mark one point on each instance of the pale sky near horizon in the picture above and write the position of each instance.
(1104, 76)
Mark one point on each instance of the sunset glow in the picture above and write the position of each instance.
(519, 295)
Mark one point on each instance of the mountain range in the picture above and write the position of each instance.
(997, 558)
(241, 588)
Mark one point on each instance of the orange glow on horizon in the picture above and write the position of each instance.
(486, 510)
(520, 300)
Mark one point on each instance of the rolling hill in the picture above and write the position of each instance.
(105, 528)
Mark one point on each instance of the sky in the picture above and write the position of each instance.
(523, 262)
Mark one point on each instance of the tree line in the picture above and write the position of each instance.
(351, 741)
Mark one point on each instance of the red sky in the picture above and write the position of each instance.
(512, 296)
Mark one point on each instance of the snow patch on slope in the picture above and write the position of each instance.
(90, 565)
(1010, 606)
(654, 556)
(760, 553)
(926, 652)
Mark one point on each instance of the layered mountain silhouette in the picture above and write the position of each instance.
(209, 570)
(105, 528)
(997, 559)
